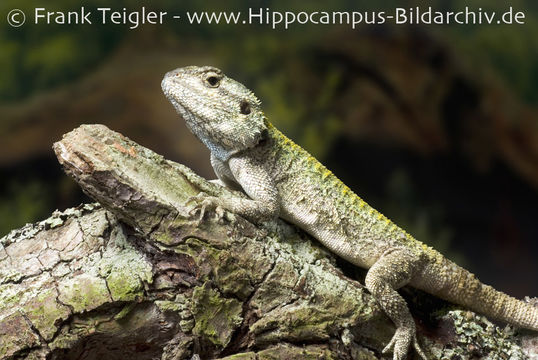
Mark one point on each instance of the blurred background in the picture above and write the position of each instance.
(436, 126)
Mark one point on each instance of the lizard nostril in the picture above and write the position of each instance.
(244, 107)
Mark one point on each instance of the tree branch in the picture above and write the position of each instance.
(168, 285)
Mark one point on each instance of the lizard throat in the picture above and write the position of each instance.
(202, 129)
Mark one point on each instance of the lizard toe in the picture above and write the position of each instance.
(418, 350)
(200, 207)
(198, 214)
(220, 214)
(196, 198)
(205, 204)
(400, 343)
(390, 345)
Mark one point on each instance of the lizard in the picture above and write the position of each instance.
(281, 179)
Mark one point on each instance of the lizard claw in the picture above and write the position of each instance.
(400, 343)
(204, 204)
(197, 198)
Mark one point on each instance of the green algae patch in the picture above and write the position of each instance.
(37, 303)
(215, 317)
(12, 295)
(296, 322)
(231, 278)
(180, 304)
(125, 274)
(15, 335)
(83, 292)
(310, 352)
(277, 288)
(44, 311)
(232, 272)
(125, 270)
(167, 305)
(125, 286)
(242, 356)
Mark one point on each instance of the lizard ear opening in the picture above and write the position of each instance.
(244, 107)
(263, 137)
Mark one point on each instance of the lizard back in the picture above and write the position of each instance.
(324, 206)
(321, 204)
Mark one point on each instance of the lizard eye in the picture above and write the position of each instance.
(244, 107)
(212, 80)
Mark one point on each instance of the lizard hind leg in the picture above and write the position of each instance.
(391, 271)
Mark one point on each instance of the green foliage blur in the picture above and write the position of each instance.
(29, 202)
(36, 58)
(41, 57)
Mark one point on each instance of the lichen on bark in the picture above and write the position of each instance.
(136, 276)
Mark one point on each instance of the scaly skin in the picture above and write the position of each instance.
(282, 179)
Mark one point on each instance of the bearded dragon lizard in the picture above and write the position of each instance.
(282, 179)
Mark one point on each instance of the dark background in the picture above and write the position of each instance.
(434, 125)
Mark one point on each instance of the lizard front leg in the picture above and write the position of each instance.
(224, 174)
(391, 271)
(255, 182)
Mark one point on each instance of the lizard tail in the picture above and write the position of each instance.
(467, 290)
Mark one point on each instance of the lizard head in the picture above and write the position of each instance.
(221, 112)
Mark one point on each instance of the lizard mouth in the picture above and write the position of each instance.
(167, 85)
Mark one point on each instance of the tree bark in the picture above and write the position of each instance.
(137, 276)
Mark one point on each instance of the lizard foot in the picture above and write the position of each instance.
(400, 342)
(205, 204)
